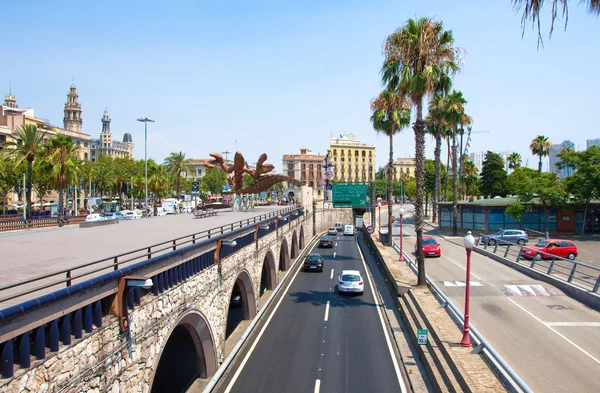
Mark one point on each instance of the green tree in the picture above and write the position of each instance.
(540, 147)
(437, 126)
(43, 181)
(391, 113)
(584, 184)
(9, 177)
(158, 183)
(247, 180)
(60, 154)
(514, 160)
(420, 59)
(381, 186)
(214, 180)
(493, 175)
(471, 178)
(26, 146)
(177, 164)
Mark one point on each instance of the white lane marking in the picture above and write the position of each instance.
(335, 245)
(334, 255)
(326, 311)
(317, 385)
(554, 330)
(590, 324)
(331, 276)
(385, 332)
(241, 367)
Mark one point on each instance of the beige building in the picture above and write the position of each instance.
(107, 145)
(404, 166)
(353, 161)
(200, 167)
(305, 167)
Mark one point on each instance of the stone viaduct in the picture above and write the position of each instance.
(106, 335)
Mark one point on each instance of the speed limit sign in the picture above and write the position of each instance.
(370, 229)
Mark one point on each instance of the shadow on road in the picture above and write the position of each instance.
(320, 298)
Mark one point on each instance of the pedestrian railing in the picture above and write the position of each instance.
(580, 274)
(481, 344)
(68, 277)
(16, 224)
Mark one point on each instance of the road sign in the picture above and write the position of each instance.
(349, 195)
(422, 337)
(328, 174)
(196, 187)
(370, 229)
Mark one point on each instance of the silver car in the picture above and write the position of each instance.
(506, 236)
(351, 281)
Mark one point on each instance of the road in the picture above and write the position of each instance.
(549, 339)
(317, 340)
(27, 254)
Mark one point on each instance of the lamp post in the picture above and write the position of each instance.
(469, 242)
(401, 211)
(145, 120)
(379, 217)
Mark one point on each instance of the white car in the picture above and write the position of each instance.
(349, 230)
(351, 281)
(95, 217)
(332, 231)
(132, 215)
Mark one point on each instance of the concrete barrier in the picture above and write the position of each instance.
(97, 223)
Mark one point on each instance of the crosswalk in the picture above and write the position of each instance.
(462, 284)
(529, 290)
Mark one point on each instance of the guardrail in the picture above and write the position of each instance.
(481, 342)
(16, 224)
(67, 277)
(579, 274)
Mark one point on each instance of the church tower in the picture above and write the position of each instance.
(72, 120)
(10, 100)
(105, 122)
(106, 138)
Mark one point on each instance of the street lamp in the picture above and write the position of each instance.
(469, 242)
(401, 211)
(145, 120)
(379, 219)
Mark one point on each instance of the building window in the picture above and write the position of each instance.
(363, 153)
(335, 152)
(199, 172)
(84, 144)
(290, 166)
(303, 166)
(310, 167)
(85, 156)
(370, 154)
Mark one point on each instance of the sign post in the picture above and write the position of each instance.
(422, 337)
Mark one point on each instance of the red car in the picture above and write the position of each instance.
(431, 248)
(549, 248)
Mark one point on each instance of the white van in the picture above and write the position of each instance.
(349, 230)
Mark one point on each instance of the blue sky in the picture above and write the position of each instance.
(274, 75)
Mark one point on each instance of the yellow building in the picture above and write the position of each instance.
(404, 166)
(353, 161)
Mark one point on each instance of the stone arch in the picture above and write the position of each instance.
(294, 253)
(301, 237)
(244, 282)
(284, 256)
(189, 353)
(268, 276)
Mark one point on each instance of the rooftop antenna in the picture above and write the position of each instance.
(236, 145)
(226, 154)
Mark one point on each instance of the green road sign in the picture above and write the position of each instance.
(196, 187)
(422, 336)
(349, 195)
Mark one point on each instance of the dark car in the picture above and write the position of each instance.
(325, 241)
(506, 236)
(313, 262)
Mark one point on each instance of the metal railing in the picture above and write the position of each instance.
(44, 222)
(580, 274)
(481, 343)
(67, 277)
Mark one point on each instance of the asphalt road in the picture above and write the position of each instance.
(320, 341)
(549, 339)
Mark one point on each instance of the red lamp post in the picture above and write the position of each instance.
(469, 242)
(401, 211)
(379, 206)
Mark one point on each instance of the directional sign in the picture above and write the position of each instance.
(195, 187)
(349, 195)
(422, 337)
(370, 229)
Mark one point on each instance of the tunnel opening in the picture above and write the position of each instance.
(301, 238)
(178, 367)
(268, 278)
(242, 304)
(284, 256)
(294, 246)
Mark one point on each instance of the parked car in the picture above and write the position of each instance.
(506, 236)
(431, 248)
(313, 262)
(549, 248)
(325, 241)
(132, 215)
(95, 217)
(332, 231)
(115, 216)
(351, 281)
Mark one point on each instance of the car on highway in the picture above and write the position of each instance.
(351, 281)
(348, 230)
(313, 262)
(326, 241)
(132, 215)
(550, 248)
(339, 226)
(332, 231)
(506, 236)
(95, 217)
(115, 216)
(431, 248)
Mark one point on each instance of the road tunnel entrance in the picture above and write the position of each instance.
(268, 278)
(242, 304)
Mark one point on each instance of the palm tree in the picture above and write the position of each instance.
(436, 126)
(60, 153)
(158, 184)
(419, 60)
(514, 160)
(176, 163)
(391, 113)
(27, 144)
(540, 147)
(471, 176)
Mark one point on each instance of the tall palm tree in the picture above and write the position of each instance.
(514, 160)
(465, 121)
(27, 145)
(436, 126)
(158, 184)
(471, 176)
(177, 164)
(540, 147)
(60, 153)
(419, 60)
(391, 113)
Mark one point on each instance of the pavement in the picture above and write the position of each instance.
(28, 254)
(549, 339)
(317, 340)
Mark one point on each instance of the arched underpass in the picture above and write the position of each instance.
(284, 256)
(268, 277)
(301, 238)
(294, 253)
(242, 304)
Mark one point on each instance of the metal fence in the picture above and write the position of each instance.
(579, 274)
(16, 224)
(480, 341)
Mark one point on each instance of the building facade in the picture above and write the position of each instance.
(593, 142)
(353, 161)
(404, 167)
(477, 159)
(554, 161)
(306, 167)
(108, 146)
